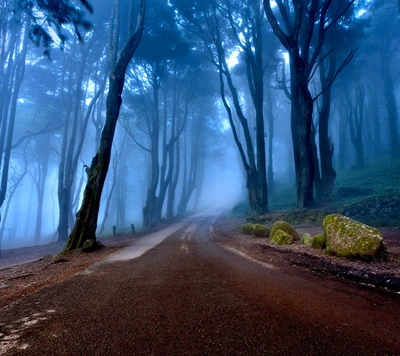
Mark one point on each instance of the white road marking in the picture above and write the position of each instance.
(144, 244)
(240, 253)
(187, 236)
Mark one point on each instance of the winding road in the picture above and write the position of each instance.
(190, 296)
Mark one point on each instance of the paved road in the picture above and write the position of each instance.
(189, 296)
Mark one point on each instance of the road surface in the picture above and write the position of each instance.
(190, 296)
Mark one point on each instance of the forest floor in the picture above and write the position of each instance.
(19, 278)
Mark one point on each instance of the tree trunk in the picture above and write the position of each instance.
(356, 123)
(269, 101)
(393, 115)
(301, 121)
(328, 175)
(86, 219)
(376, 123)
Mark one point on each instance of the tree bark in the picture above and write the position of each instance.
(301, 121)
(326, 186)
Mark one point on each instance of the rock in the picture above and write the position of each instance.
(246, 228)
(306, 239)
(280, 237)
(349, 238)
(286, 227)
(318, 242)
(89, 245)
(260, 230)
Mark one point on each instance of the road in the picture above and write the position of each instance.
(190, 296)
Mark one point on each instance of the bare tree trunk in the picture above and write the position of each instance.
(326, 186)
(356, 122)
(107, 208)
(301, 121)
(43, 166)
(269, 109)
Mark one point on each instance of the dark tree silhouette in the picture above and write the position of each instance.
(86, 218)
(302, 31)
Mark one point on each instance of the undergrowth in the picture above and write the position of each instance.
(378, 183)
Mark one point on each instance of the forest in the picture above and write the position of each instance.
(123, 112)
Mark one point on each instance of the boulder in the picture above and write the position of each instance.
(89, 245)
(349, 238)
(306, 239)
(318, 242)
(280, 237)
(246, 229)
(260, 230)
(286, 227)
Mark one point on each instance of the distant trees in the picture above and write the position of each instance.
(21, 22)
(225, 27)
(386, 42)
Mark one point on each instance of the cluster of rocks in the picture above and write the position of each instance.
(341, 236)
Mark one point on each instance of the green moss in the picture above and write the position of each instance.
(89, 245)
(349, 238)
(260, 230)
(306, 239)
(318, 242)
(280, 237)
(286, 227)
(246, 228)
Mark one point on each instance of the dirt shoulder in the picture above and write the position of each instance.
(24, 271)
(19, 281)
(381, 274)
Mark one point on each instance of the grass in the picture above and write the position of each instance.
(378, 182)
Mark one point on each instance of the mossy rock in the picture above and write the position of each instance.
(286, 227)
(346, 237)
(260, 230)
(318, 242)
(306, 239)
(280, 237)
(246, 229)
(89, 245)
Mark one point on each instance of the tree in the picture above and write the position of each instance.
(77, 74)
(86, 218)
(52, 17)
(21, 21)
(302, 30)
(224, 27)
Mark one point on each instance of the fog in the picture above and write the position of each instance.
(211, 117)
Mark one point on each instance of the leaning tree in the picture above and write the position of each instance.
(86, 218)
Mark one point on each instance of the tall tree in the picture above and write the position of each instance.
(86, 219)
(302, 29)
